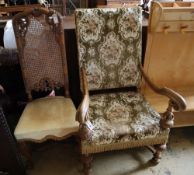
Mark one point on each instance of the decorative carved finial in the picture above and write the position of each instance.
(167, 119)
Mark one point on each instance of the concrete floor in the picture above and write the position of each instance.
(63, 159)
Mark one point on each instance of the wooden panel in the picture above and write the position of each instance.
(18, 8)
(175, 26)
(69, 22)
(169, 59)
(184, 119)
(177, 16)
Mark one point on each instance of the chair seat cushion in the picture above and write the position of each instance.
(47, 117)
(120, 117)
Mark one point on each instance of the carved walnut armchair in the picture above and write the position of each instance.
(113, 114)
(40, 42)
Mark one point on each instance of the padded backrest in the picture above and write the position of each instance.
(40, 41)
(109, 46)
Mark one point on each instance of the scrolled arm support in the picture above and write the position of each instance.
(176, 101)
(82, 112)
(167, 120)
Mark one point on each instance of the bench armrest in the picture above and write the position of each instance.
(176, 100)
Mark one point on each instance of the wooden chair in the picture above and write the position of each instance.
(170, 51)
(40, 42)
(114, 114)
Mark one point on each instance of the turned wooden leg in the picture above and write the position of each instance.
(25, 151)
(158, 152)
(87, 164)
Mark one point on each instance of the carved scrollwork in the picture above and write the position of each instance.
(47, 84)
(51, 17)
(22, 24)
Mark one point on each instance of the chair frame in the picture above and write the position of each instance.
(156, 146)
(20, 40)
(176, 102)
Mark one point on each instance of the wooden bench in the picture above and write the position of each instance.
(169, 58)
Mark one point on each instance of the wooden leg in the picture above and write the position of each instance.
(87, 164)
(158, 152)
(25, 151)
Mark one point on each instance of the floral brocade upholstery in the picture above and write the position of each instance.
(109, 46)
(122, 117)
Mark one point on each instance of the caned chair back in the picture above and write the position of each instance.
(109, 46)
(40, 41)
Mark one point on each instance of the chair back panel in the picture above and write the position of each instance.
(41, 48)
(109, 46)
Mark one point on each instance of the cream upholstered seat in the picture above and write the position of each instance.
(49, 116)
(40, 42)
(111, 118)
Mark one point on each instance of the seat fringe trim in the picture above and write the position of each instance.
(87, 149)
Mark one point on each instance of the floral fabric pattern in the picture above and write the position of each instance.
(92, 24)
(128, 26)
(109, 46)
(122, 117)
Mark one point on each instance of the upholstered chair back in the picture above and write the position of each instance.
(40, 40)
(109, 46)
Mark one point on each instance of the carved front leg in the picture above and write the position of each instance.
(87, 164)
(85, 134)
(158, 153)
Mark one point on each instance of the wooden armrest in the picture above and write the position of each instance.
(176, 100)
(81, 115)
